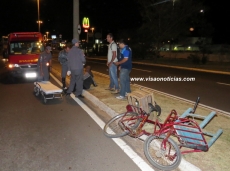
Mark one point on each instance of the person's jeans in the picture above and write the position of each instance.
(124, 81)
(113, 77)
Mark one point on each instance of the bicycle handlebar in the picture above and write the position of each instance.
(155, 108)
(196, 104)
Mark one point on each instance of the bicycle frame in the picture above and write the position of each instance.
(171, 127)
(187, 132)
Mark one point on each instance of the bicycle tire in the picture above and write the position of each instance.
(160, 158)
(113, 129)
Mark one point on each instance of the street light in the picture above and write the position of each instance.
(47, 35)
(92, 29)
(39, 21)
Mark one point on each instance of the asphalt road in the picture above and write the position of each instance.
(212, 88)
(58, 136)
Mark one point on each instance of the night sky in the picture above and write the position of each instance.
(105, 16)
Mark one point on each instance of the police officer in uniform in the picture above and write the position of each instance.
(76, 59)
(62, 58)
(44, 62)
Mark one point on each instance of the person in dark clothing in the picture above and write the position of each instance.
(76, 59)
(125, 67)
(62, 58)
(44, 62)
(88, 78)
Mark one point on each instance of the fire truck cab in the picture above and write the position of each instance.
(23, 50)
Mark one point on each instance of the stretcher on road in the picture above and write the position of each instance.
(47, 90)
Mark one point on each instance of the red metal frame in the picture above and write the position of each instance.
(187, 131)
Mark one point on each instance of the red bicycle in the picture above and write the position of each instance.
(160, 147)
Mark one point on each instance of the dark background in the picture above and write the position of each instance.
(105, 16)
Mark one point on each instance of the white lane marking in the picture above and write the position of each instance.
(125, 147)
(132, 68)
(141, 70)
(223, 83)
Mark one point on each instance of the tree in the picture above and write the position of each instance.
(167, 21)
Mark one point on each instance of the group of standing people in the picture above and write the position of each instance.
(121, 59)
(72, 60)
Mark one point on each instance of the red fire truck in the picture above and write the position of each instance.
(22, 52)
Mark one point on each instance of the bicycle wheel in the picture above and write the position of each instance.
(164, 155)
(115, 128)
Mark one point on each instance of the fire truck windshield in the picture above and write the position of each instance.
(29, 47)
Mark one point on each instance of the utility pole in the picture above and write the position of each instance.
(39, 21)
(75, 18)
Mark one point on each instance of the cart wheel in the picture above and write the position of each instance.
(44, 99)
(37, 91)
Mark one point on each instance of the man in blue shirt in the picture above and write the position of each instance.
(125, 67)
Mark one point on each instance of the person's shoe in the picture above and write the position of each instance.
(79, 96)
(65, 89)
(126, 94)
(120, 97)
(115, 92)
(67, 94)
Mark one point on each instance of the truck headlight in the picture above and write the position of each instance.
(13, 65)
